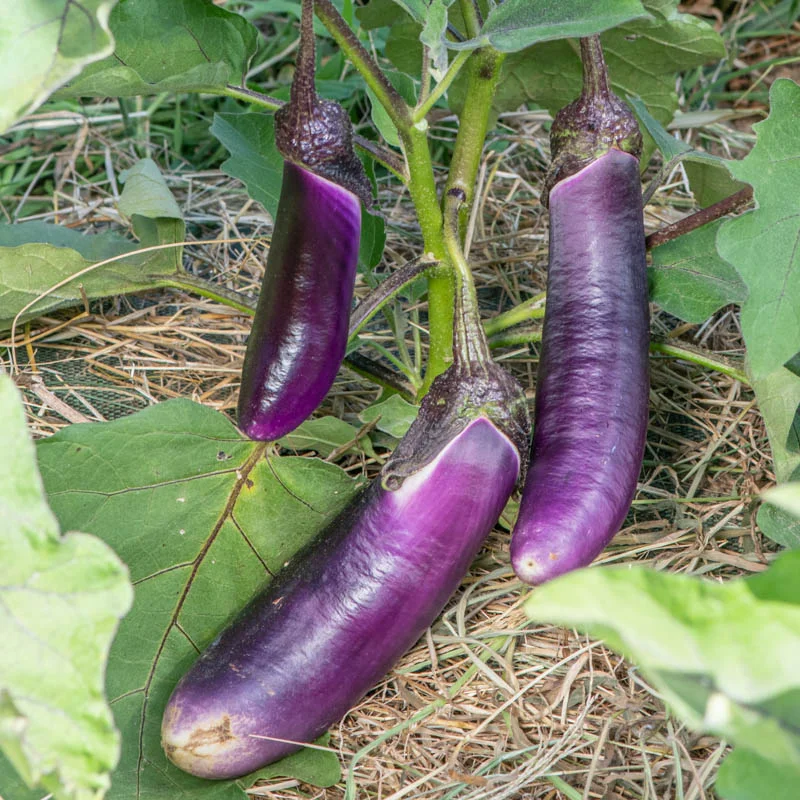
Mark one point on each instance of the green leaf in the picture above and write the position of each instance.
(203, 517)
(433, 36)
(177, 46)
(35, 257)
(415, 8)
(156, 218)
(61, 598)
(708, 174)
(785, 496)
(394, 415)
(722, 655)
(689, 279)
(746, 776)
(779, 515)
(380, 14)
(28, 272)
(254, 160)
(42, 45)
(643, 57)
(793, 364)
(710, 182)
(250, 139)
(762, 246)
(517, 24)
(93, 247)
(324, 435)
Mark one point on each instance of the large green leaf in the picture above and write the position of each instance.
(36, 257)
(255, 160)
(173, 46)
(203, 517)
(516, 24)
(643, 57)
(763, 246)
(61, 598)
(690, 280)
(745, 776)
(44, 43)
(724, 656)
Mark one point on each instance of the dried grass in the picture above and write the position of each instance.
(539, 713)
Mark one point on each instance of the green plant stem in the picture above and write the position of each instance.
(227, 297)
(700, 357)
(469, 341)
(483, 73)
(384, 292)
(387, 95)
(426, 104)
(693, 355)
(471, 18)
(422, 188)
(249, 96)
(532, 308)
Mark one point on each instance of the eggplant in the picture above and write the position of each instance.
(299, 333)
(591, 406)
(347, 606)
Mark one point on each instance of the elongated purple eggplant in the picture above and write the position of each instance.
(334, 621)
(592, 389)
(299, 332)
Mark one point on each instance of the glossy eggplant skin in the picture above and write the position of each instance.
(299, 332)
(334, 621)
(592, 390)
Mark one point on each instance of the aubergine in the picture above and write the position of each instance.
(591, 407)
(299, 334)
(346, 607)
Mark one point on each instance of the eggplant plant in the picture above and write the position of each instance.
(219, 699)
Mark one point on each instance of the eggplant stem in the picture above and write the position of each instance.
(713, 212)
(385, 291)
(595, 73)
(694, 355)
(378, 373)
(427, 103)
(470, 347)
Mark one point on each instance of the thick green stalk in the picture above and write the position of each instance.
(469, 11)
(471, 350)
(422, 188)
(483, 74)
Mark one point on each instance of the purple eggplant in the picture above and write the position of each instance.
(344, 610)
(299, 332)
(592, 390)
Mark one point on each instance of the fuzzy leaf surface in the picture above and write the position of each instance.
(42, 45)
(174, 46)
(763, 246)
(203, 518)
(518, 24)
(61, 598)
(722, 655)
